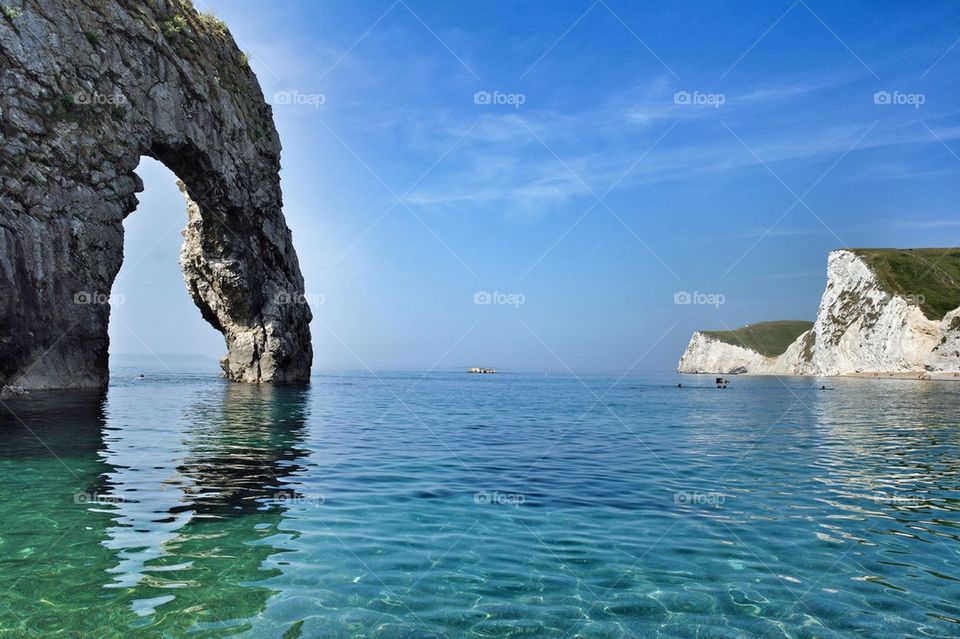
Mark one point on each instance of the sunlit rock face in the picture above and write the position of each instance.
(860, 328)
(87, 87)
(704, 354)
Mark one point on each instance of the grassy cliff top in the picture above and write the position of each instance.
(930, 277)
(767, 338)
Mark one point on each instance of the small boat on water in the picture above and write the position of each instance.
(482, 371)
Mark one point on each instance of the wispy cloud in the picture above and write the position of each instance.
(785, 91)
(778, 232)
(929, 224)
(503, 161)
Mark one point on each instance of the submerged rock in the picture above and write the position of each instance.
(87, 87)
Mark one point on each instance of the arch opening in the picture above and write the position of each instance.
(153, 320)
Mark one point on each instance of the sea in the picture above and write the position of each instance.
(444, 504)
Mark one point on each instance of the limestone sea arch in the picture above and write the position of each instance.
(88, 87)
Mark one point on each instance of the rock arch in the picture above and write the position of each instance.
(86, 88)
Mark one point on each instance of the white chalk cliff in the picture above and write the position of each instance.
(861, 327)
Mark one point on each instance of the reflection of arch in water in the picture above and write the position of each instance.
(65, 424)
(147, 512)
(241, 457)
(189, 543)
(237, 477)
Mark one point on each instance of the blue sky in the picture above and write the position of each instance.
(617, 153)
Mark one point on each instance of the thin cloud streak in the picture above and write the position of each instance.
(502, 164)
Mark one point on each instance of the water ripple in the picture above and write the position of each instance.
(507, 506)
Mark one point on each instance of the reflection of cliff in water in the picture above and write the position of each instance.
(877, 435)
(52, 425)
(885, 483)
(157, 511)
(51, 547)
(193, 544)
(241, 454)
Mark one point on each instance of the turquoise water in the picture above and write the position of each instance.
(454, 505)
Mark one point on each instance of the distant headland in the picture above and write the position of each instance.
(884, 311)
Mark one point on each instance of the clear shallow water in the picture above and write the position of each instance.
(482, 506)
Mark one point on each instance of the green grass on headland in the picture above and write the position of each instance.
(767, 338)
(929, 277)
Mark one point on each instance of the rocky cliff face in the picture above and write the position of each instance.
(861, 327)
(87, 87)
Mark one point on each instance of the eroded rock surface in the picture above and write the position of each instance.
(87, 87)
